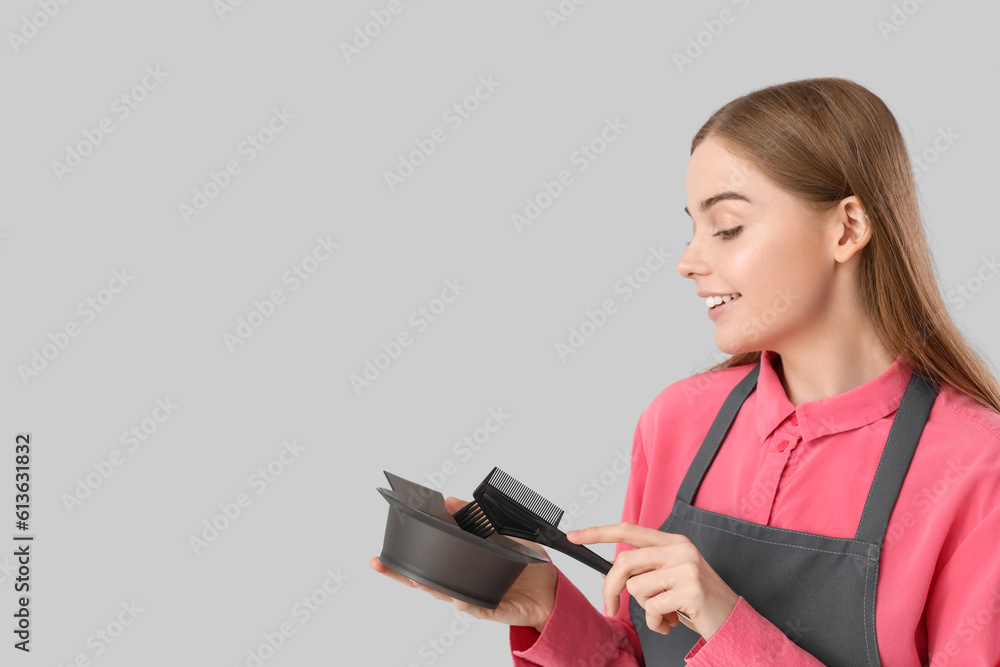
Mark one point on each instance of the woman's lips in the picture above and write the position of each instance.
(715, 312)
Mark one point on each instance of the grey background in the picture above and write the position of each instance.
(162, 336)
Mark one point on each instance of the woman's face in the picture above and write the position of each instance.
(752, 238)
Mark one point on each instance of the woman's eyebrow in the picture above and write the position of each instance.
(714, 199)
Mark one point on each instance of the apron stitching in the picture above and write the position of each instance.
(864, 611)
(784, 530)
(781, 544)
(874, 589)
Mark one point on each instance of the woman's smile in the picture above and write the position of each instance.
(721, 305)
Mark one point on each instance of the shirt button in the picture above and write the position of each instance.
(795, 420)
(782, 445)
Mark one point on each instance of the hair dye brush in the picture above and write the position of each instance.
(505, 506)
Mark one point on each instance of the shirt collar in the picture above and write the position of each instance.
(852, 409)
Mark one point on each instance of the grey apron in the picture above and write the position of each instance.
(819, 590)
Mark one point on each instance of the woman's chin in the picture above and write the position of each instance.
(730, 344)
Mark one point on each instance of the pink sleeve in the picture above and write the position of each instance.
(747, 638)
(576, 631)
(963, 607)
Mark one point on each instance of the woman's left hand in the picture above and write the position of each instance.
(665, 573)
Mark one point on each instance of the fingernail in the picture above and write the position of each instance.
(573, 533)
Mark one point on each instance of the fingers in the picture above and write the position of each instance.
(645, 572)
(381, 568)
(626, 567)
(660, 592)
(662, 613)
(453, 504)
(662, 624)
(630, 570)
(637, 536)
(437, 594)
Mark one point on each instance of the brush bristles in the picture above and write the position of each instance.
(524, 496)
(472, 520)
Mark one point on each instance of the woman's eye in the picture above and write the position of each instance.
(726, 233)
(729, 233)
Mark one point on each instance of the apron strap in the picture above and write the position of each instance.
(907, 426)
(716, 433)
(904, 434)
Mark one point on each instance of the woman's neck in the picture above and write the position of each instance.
(838, 366)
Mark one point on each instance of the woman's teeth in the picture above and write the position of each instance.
(714, 301)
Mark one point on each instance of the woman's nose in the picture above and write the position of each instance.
(691, 262)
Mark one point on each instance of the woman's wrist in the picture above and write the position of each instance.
(540, 626)
(546, 611)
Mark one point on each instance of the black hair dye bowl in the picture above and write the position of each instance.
(424, 542)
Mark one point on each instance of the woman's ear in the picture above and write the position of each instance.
(852, 229)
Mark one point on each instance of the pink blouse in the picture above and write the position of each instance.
(809, 469)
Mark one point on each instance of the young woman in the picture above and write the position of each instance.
(830, 494)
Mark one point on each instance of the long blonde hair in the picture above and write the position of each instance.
(828, 138)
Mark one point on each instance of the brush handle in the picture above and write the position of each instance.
(551, 536)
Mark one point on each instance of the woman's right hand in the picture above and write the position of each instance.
(529, 601)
